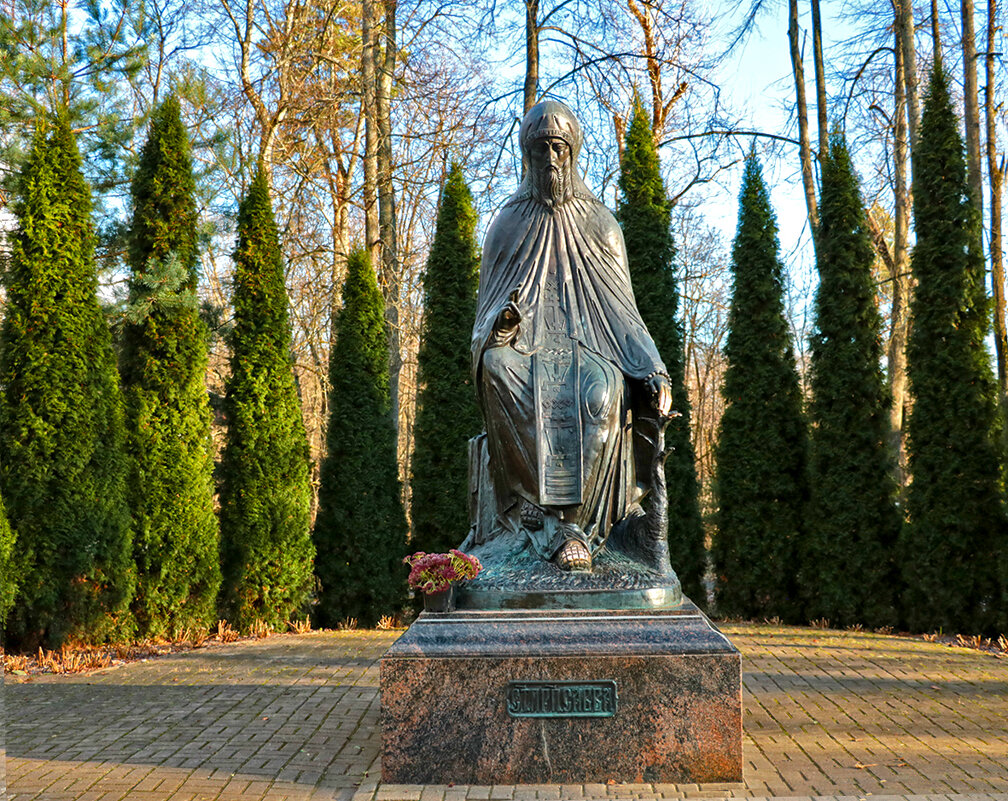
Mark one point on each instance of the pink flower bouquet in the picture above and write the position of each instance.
(431, 572)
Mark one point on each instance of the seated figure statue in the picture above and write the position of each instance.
(574, 393)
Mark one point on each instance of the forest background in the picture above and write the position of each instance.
(358, 110)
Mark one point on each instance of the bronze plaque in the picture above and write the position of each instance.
(562, 699)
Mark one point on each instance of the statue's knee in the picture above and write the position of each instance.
(601, 391)
(494, 360)
(505, 364)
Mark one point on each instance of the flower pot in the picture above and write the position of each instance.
(439, 600)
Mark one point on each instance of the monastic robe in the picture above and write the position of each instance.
(559, 400)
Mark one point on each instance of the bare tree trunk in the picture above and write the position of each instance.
(820, 79)
(935, 32)
(908, 49)
(971, 106)
(386, 206)
(661, 105)
(269, 118)
(369, 103)
(805, 150)
(900, 315)
(995, 171)
(531, 52)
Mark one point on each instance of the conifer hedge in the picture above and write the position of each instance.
(265, 489)
(645, 214)
(163, 365)
(761, 480)
(62, 472)
(848, 569)
(8, 576)
(957, 525)
(360, 528)
(447, 413)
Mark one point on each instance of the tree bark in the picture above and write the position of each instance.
(804, 147)
(908, 49)
(386, 206)
(935, 32)
(661, 105)
(531, 53)
(900, 315)
(995, 171)
(971, 106)
(820, 78)
(369, 103)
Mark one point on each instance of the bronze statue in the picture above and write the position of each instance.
(574, 393)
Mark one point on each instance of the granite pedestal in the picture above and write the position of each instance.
(534, 696)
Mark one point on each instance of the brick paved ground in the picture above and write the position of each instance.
(295, 717)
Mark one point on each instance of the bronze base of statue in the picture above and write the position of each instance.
(515, 577)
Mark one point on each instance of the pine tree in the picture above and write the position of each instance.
(447, 413)
(8, 575)
(360, 529)
(761, 481)
(265, 489)
(645, 214)
(847, 556)
(957, 522)
(163, 364)
(62, 474)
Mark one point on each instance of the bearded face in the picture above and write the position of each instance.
(550, 166)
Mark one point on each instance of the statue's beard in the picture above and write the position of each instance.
(551, 185)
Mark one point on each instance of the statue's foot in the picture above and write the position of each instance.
(532, 516)
(573, 555)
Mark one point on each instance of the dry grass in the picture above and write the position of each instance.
(225, 633)
(260, 630)
(78, 658)
(975, 642)
(300, 626)
(16, 663)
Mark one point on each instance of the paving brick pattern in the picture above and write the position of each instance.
(827, 714)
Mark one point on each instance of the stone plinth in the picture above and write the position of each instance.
(562, 696)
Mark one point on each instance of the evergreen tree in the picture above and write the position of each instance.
(956, 520)
(761, 481)
(645, 214)
(61, 416)
(360, 529)
(265, 489)
(847, 556)
(8, 575)
(447, 413)
(163, 364)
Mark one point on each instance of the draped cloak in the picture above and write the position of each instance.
(566, 269)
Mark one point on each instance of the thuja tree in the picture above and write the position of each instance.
(847, 555)
(62, 473)
(645, 214)
(360, 528)
(8, 576)
(761, 480)
(956, 520)
(265, 490)
(163, 365)
(447, 413)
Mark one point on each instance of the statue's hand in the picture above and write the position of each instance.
(507, 320)
(660, 389)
